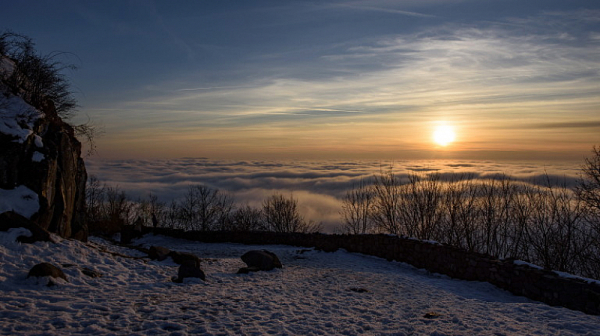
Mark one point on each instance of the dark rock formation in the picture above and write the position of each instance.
(11, 219)
(262, 259)
(189, 269)
(183, 257)
(46, 269)
(158, 253)
(48, 161)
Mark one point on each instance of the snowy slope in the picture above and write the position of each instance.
(316, 293)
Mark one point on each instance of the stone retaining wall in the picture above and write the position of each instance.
(519, 279)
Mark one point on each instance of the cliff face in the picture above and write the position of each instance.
(40, 152)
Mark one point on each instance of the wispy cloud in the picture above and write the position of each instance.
(383, 10)
(482, 76)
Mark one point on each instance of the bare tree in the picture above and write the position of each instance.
(357, 209)
(421, 206)
(588, 187)
(117, 206)
(247, 218)
(281, 214)
(94, 196)
(204, 208)
(460, 214)
(386, 204)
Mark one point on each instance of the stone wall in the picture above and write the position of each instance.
(519, 279)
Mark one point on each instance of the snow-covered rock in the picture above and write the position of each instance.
(39, 152)
(21, 200)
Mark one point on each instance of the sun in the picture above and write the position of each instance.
(444, 135)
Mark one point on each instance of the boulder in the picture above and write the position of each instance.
(47, 270)
(189, 269)
(158, 253)
(10, 219)
(262, 259)
(182, 257)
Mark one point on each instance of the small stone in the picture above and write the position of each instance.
(431, 315)
(246, 270)
(47, 269)
(91, 273)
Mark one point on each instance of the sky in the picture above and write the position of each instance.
(328, 80)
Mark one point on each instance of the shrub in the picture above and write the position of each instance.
(37, 78)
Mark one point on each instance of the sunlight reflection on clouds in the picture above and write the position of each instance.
(319, 186)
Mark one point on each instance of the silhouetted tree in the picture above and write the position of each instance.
(247, 218)
(281, 214)
(357, 209)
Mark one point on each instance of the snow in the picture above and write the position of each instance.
(560, 274)
(525, 263)
(17, 118)
(21, 200)
(39, 143)
(37, 157)
(571, 276)
(316, 293)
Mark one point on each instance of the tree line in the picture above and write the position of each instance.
(552, 226)
(549, 225)
(202, 208)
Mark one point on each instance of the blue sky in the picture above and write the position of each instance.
(336, 79)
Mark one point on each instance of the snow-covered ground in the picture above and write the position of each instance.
(316, 293)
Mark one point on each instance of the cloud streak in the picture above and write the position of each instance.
(482, 77)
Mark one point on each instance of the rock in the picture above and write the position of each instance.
(246, 270)
(431, 315)
(181, 257)
(11, 219)
(358, 289)
(189, 269)
(91, 272)
(47, 160)
(47, 269)
(158, 253)
(262, 259)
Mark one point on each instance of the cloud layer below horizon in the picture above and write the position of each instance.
(319, 186)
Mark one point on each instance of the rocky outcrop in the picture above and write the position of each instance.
(39, 151)
(261, 260)
(10, 220)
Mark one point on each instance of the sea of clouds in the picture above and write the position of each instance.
(319, 186)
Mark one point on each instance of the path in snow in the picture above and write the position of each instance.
(311, 295)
